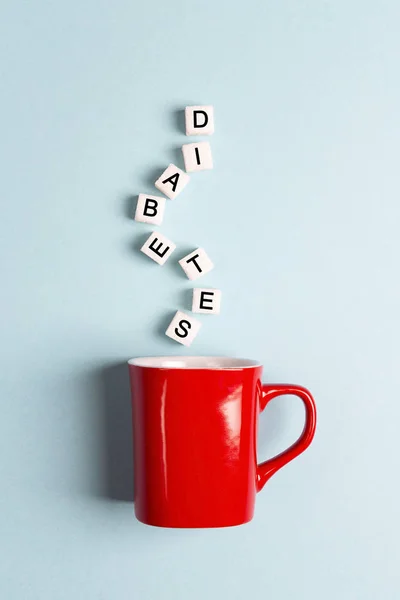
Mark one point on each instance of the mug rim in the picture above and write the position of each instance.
(185, 363)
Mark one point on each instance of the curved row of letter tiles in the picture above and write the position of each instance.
(150, 209)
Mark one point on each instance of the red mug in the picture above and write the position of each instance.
(195, 431)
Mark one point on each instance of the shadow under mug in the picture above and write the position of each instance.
(195, 433)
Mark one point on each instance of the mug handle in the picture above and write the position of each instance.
(266, 469)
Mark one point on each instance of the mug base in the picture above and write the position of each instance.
(182, 525)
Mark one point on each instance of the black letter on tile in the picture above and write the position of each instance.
(193, 259)
(196, 124)
(156, 250)
(182, 323)
(150, 204)
(197, 155)
(174, 180)
(203, 299)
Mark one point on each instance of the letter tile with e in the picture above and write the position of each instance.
(206, 301)
(158, 248)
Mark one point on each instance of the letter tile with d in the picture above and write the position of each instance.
(199, 120)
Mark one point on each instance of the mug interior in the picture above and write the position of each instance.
(193, 362)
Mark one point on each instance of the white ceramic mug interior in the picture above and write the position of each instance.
(193, 362)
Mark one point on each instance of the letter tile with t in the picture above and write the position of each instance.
(172, 181)
(199, 120)
(183, 328)
(206, 301)
(197, 157)
(196, 264)
(158, 247)
(150, 209)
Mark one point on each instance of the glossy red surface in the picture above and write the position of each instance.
(195, 431)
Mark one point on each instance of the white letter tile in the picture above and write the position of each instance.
(158, 247)
(172, 181)
(150, 209)
(183, 328)
(196, 264)
(206, 301)
(199, 120)
(197, 157)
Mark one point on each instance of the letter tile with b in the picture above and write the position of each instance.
(183, 328)
(199, 120)
(172, 181)
(150, 209)
(196, 264)
(158, 248)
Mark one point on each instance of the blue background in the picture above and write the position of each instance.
(301, 217)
